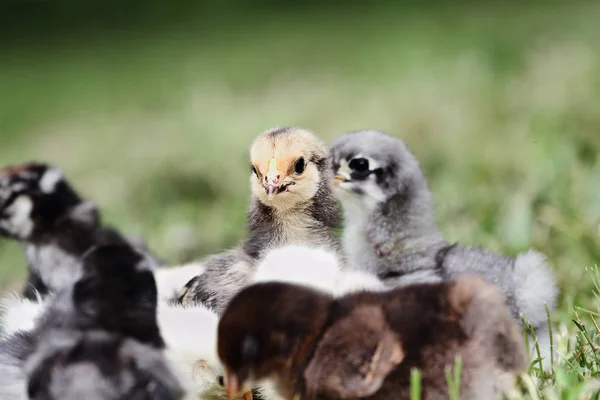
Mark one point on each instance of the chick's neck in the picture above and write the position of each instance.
(412, 217)
(269, 227)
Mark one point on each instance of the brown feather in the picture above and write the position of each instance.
(354, 356)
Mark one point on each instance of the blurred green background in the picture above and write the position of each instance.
(150, 107)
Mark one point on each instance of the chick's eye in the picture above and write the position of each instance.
(220, 380)
(300, 165)
(359, 164)
(249, 349)
(253, 169)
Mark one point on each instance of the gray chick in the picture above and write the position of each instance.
(390, 229)
(98, 365)
(292, 203)
(42, 211)
(98, 337)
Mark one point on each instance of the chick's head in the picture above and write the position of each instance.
(32, 195)
(288, 166)
(370, 167)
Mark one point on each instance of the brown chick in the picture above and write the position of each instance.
(292, 203)
(364, 345)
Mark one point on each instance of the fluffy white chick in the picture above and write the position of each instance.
(315, 267)
(190, 336)
(311, 266)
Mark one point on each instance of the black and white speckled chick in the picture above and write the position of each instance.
(41, 210)
(390, 229)
(97, 365)
(97, 339)
(292, 203)
(364, 345)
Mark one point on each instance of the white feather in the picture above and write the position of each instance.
(191, 337)
(49, 180)
(171, 280)
(310, 266)
(349, 281)
(56, 267)
(19, 314)
(314, 267)
(19, 221)
(535, 285)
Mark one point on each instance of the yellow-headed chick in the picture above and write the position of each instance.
(292, 203)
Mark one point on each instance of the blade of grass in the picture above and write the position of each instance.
(537, 349)
(586, 336)
(526, 335)
(551, 338)
(453, 379)
(415, 384)
(530, 386)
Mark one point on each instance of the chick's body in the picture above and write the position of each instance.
(292, 203)
(41, 210)
(364, 345)
(390, 229)
(96, 339)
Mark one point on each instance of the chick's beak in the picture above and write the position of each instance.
(273, 179)
(337, 179)
(232, 388)
(341, 175)
(271, 191)
(231, 385)
(340, 178)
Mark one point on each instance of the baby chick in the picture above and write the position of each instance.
(41, 210)
(390, 229)
(315, 267)
(364, 345)
(103, 327)
(292, 203)
(98, 365)
(190, 333)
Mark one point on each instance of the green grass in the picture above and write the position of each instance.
(499, 102)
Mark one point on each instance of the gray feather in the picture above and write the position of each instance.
(77, 348)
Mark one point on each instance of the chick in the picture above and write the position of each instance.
(41, 210)
(189, 333)
(390, 229)
(315, 267)
(98, 365)
(292, 203)
(364, 345)
(113, 302)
